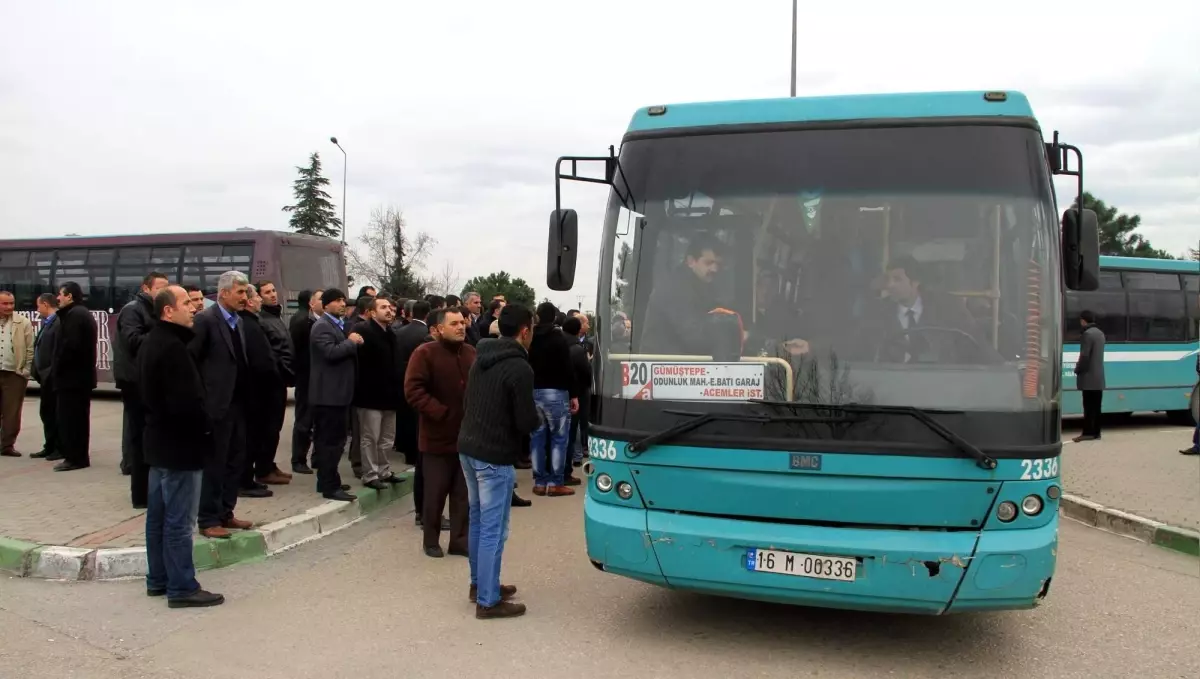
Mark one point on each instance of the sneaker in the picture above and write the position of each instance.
(197, 599)
(506, 592)
(559, 491)
(504, 609)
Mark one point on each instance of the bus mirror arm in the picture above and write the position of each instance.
(1080, 226)
(562, 246)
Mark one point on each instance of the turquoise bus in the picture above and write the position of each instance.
(1148, 311)
(829, 367)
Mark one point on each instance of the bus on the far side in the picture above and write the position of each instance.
(1148, 311)
(110, 269)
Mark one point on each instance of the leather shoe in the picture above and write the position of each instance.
(376, 484)
(215, 532)
(255, 492)
(394, 480)
(458, 551)
(65, 466)
(302, 469)
(274, 478)
(239, 524)
(340, 496)
(41, 454)
(9, 453)
(434, 552)
(518, 501)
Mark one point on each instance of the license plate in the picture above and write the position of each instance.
(804, 565)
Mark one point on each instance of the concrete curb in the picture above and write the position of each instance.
(54, 562)
(1130, 525)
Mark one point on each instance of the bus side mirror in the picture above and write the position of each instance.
(561, 251)
(1081, 249)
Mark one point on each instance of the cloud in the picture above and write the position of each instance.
(149, 116)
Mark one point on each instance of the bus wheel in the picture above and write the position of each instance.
(1191, 416)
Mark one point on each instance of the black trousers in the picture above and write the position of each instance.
(443, 481)
(302, 427)
(579, 430)
(223, 473)
(132, 454)
(329, 440)
(355, 452)
(262, 433)
(48, 411)
(74, 410)
(1092, 408)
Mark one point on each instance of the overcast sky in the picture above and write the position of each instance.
(139, 117)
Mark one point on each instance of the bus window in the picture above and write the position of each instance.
(165, 260)
(1156, 307)
(15, 277)
(309, 269)
(1191, 286)
(72, 265)
(132, 265)
(1107, 302)
(204, 264)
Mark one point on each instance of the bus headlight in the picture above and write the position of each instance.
(624, 490)
(1031, 505)
(604, 483)
(1007, 511)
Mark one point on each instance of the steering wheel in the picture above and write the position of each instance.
(922, 330)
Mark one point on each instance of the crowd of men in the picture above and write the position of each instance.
(465, 395)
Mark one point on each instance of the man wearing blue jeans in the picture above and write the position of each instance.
(498, 412)
(176, 444)
(555, 392)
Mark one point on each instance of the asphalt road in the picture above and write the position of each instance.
(366, 603)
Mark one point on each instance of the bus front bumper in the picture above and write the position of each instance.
(926, 572)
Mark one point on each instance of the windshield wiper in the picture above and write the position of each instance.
(700, 419)
(982, 459)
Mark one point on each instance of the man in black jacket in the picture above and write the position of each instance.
(133, 324)
(377, 394)
(264, 414)
(74, 377)
(178, 442)
(408, 339)
(43, 372)
(270, 317)
(498, 413)
(308, 310)
(557, 398)
(581, 367)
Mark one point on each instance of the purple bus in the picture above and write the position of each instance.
(110, 269)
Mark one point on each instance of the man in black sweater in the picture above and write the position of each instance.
(557, 398)
(498, 413)
(176, 445)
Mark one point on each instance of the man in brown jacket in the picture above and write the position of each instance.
(434, 385)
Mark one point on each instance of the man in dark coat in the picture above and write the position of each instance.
(134, 323)
(74, 377)
(219, 348)
(308, 311)
(270, 317)
(331, 391)
(408, 339)
(177, 443)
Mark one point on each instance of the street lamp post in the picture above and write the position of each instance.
(345, 162)
(794, 17)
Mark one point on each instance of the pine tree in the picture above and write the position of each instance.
(313, 214)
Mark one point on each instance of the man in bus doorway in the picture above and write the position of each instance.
(1089, 375)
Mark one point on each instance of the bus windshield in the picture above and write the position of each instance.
(907, 266)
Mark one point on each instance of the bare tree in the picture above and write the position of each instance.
(390, 256)
(446, 281)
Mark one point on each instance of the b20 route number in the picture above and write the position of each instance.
(1036, 470)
